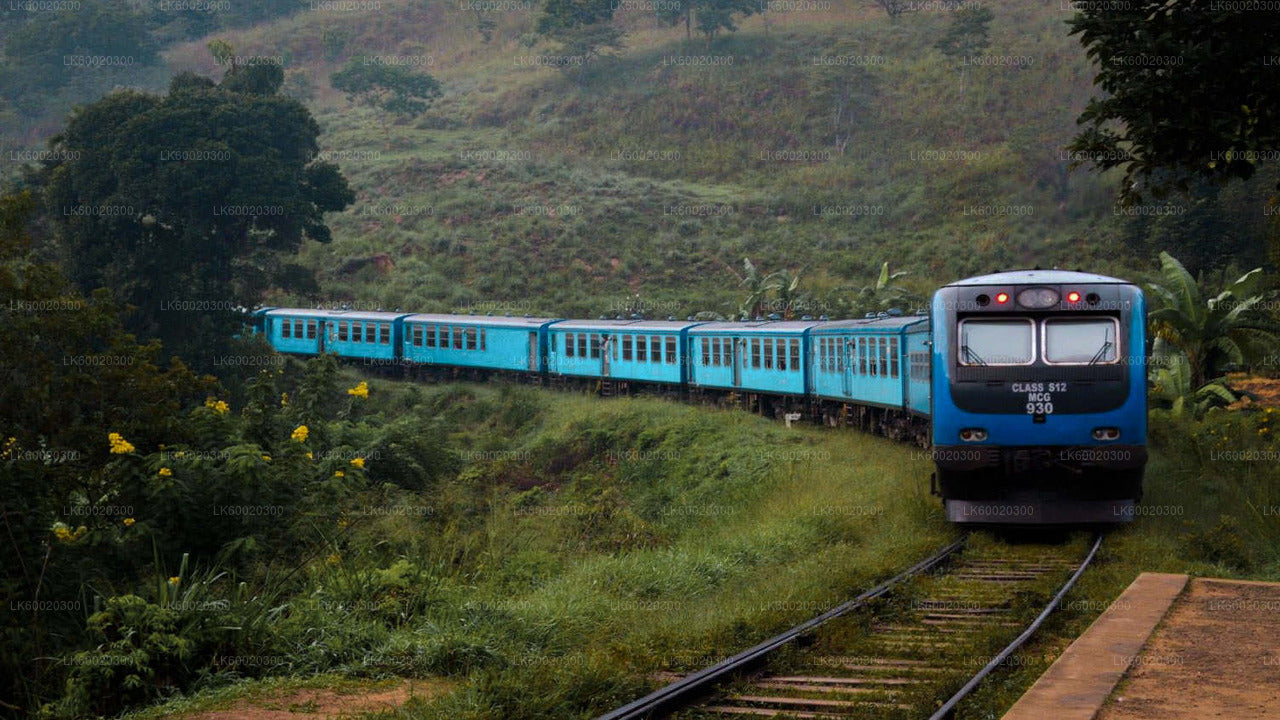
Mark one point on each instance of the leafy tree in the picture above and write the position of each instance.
(582, 27)
(710, 16)
(968, 34)
(1188, 88)
(893, 8)
(186, 204)
(1223, 330)
(393, 89)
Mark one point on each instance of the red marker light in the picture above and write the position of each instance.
(1073, 297)
(1002, 298)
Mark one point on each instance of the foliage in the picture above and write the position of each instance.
(709, 16)
(1172, 384)
(1213, 333)
(190, 200)
(969, 32)
(1186, 91)
(391, 88)
(582, 27)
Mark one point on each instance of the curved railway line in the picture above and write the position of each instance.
(912, 647)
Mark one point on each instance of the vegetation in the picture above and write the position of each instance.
(187, 205)
(1178, 100)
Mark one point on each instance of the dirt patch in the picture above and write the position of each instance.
(1217, 655)
(321, 704)
(1254, 391)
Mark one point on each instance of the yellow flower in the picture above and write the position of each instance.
(119, 446)
(300, 433)
(165, 472)
(284, 399)
(66, 534)
(339, 473)
(357, 462)
(175, 580)
(333, 559)
(218, 406)
(128, 522)
(266, 458)
(343, 522)
(361, 390)
(180, 453)
(310, 456)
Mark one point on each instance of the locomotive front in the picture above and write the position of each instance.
(1039, 398)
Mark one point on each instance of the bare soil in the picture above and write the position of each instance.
(1216, 655)
(320, 704)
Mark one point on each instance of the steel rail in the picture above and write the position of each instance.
(683, 690)
(948, 708)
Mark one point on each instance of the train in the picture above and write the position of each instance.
(1029, 386)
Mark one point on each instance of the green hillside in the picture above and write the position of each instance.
(829, 140)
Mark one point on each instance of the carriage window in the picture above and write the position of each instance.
(471, 338)
(768, 353)
(882, 356)
(430, 331)
(417, 335)
(655, 349)
(569, 345)
(595, 346)
(626, 347)
(795, 355)
(297, 328)
(286, 329)
(311, 329)
(717, 356)
(342, 331)
(357, 332)
(755, 352)
(384, 333)
(582, 344)
(893, 357)
(862, 356)
(370, 332)
(483, 346)
(671, 350)
(996, 342)
(457, 337)
(706, 351)
(1081, 341)
(782, 354)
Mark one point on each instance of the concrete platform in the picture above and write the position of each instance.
(1078, 683)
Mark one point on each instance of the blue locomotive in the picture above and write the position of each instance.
(1029, 385)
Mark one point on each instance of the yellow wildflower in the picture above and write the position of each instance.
(310, 456)
(218, 406)
(357, 462)
(175, 580)
(284, 399)
(300, 433)
(333, 559)
(361, 390)
(165, 472)
(266, 458)
(119, 446)
(339, 473)
(343, 522)
(128, 522)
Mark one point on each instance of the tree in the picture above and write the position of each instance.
(392, 89)
(1188, 88)
(893, 8)
(1227, 329)
(186, 204)
(710, 16)
(1172, 385)
(582, 27)
(968, 34)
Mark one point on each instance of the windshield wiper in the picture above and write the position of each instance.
(1102, 351)
(971, 357)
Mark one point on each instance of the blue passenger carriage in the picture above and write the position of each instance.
(1039, 397)
(863, 374)
(624, 350)
(353, 334)
(480, 342)
(763, 356)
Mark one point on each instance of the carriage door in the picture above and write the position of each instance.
(737, 360)
(849, 355)
(606, 346)
(533, 352)
(321, 326)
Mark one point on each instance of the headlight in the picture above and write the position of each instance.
(1038, 298)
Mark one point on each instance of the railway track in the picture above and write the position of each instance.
(912, 647)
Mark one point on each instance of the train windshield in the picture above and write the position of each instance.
(997, 342)
(1081, 341)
